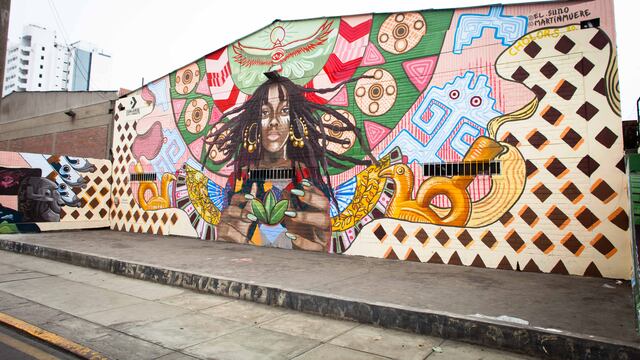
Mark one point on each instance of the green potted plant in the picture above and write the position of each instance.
(271, 212)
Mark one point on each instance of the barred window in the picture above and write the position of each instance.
(464, 168)
(143, 177)
(270, 174)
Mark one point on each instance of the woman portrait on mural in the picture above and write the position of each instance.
(279, 128)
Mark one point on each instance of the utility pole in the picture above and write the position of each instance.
(5, 7)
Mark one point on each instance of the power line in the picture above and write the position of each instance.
(60, 24)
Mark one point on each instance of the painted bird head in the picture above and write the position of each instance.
(398, 170)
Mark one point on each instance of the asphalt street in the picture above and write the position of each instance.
(16, 346)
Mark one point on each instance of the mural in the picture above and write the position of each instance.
(50, 192)
(487, 137)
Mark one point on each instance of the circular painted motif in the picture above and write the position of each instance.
(215, 154)
(196, 116)
(349, 136)
(400, 33)
(376, 95)
(187, 78)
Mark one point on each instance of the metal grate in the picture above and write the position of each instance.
(270, 174)
(143, 177)
(463, 168)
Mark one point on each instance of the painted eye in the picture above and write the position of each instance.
(285, 110)
(66, 168)
(476, 101)
(63, 187)
(47, 193)
(454, 94)
(264, 112)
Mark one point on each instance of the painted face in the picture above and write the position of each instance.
(7, 181)
(275, 120)
(67, 195)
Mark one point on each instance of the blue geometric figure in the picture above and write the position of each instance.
(458, 144)
(508, 29)
(271, 233)
(461, 108)
(171, 151)
(159, 90)
(217, 194)
(344, 194)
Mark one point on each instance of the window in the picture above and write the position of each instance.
(41, 67)
(270, 174)
(40, 76)
(42, 57)
(39, 85)
(143, 177)
(43, 48)
(463, 168)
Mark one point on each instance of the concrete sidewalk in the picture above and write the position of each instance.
(132, 319)
(538, 314)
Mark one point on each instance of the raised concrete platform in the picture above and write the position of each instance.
(551, 316)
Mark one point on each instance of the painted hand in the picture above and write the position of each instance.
(237, 218)
(309, 228)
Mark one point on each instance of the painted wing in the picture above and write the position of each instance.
(250, 56)
(344, 194)
(297, 47)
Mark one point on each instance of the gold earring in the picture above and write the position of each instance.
(295, 141)
(249, 145)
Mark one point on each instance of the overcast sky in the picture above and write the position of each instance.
(152, 38)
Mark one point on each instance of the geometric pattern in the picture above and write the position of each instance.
(572, 217)
(507, 29)
(95, 197)
(126, 215)
(419, 71)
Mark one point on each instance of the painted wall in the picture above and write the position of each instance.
(487, 137)
(53, 192)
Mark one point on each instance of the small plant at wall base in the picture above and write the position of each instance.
(272, 211)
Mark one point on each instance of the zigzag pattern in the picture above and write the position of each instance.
(224, 92)
(353, 37)
(353, 33)
(337, 70)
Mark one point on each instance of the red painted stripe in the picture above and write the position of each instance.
(338, 71)
(216, 54)
(313, 96)
(225, 104)
(351, 34)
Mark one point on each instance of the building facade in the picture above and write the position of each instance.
(486, 137)
(41, 62)
(74, 123)
(91, 68)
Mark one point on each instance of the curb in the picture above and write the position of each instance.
(524, 339)
(50, 338)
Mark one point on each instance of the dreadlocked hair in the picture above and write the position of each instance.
(303, 115)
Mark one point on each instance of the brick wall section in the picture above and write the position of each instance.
(90, 142)
(42, 144)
